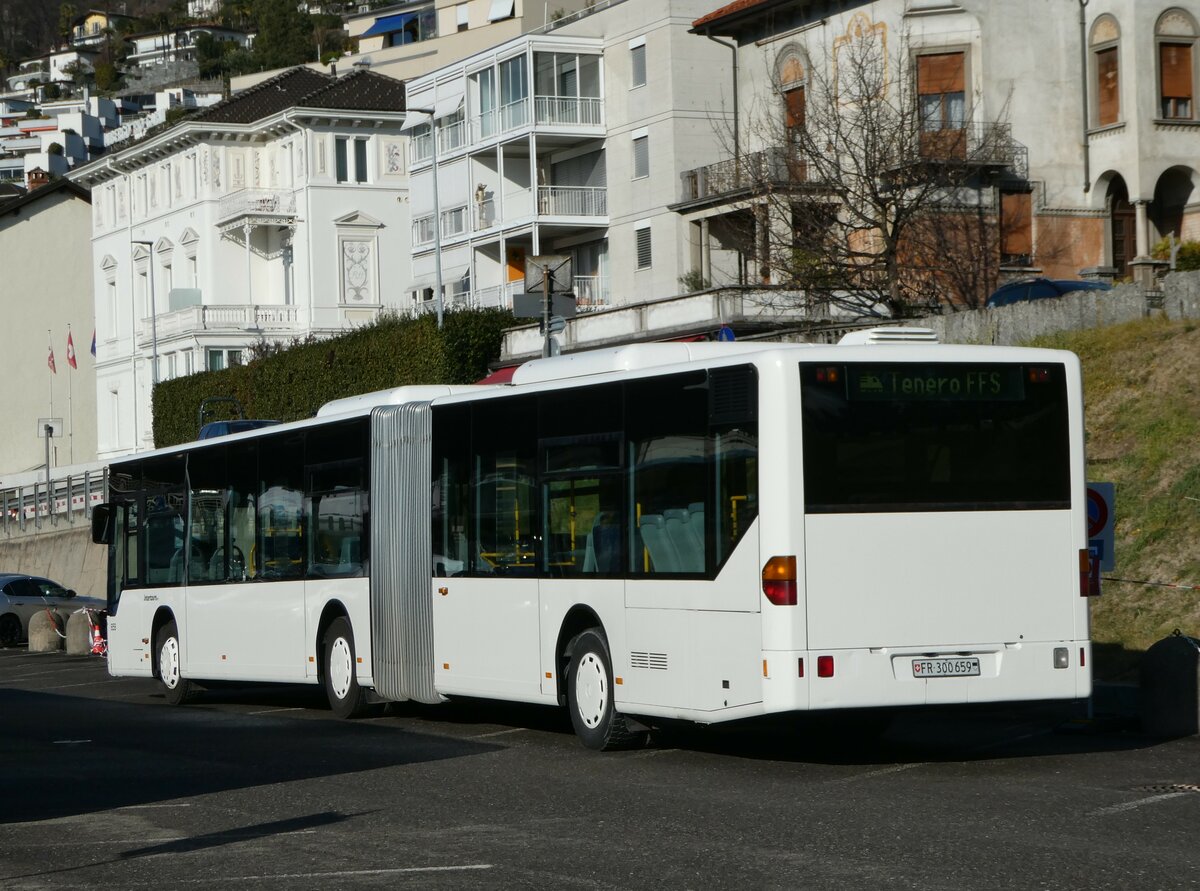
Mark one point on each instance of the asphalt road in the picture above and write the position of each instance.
(104, 785)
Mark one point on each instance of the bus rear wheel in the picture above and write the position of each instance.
(596, 721)
(346, 698)
(176, 687)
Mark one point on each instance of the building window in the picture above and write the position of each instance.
(454, 222)
(1176, 34)
(941, 91)
(347, 152)
(641, 154)
(423, 230)
(1106, 71)
(637, 62)
(461, 10)
(644, 257)
(222, 358)
(1175, 72)
(341, 161)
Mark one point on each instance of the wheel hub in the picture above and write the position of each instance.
(591, 690)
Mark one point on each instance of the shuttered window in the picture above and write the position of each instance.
(794, 109)
(644, 256)
(1016, 226)
(638, 60)
(941, 90)
(1108, 100)
(1175, 72)
(641, 157)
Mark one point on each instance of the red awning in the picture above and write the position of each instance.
(499, 376)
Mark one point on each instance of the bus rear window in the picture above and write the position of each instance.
(882, 437)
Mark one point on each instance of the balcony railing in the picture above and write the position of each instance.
(573, 201)
(978, 143)
(422, 146)
(591, 292)
(452, 136)
(747, 173)
(555, 110)
(255, 203)
(243, 318)
(484, 215)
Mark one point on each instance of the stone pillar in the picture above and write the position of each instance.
(1143, 230)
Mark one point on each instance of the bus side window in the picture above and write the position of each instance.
(282, 542)
(504, 494)
(451, 489)
(133, 577)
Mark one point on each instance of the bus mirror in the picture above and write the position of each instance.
(102, 524)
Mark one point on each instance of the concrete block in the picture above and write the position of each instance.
(79, 634)
(45, 632)
(1170, 682)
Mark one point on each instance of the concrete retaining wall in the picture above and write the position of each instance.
(67, 557)
(1022, 322)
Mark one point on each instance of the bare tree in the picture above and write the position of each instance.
(876, 196)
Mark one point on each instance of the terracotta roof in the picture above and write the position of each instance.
(727, 10)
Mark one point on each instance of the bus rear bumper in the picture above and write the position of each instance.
(917, 675)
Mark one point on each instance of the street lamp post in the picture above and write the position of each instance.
(437, 216)
(149, 245)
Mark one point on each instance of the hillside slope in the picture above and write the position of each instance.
(1142, 398)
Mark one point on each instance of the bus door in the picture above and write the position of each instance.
(127, 624)
(485, 534)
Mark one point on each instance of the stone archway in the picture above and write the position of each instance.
(1173, 192)
(1122, 227)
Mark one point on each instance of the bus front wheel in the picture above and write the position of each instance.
(596, 721)
(176, 687)
(346, 698)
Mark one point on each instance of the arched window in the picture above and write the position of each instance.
(1105, 52)
(791, 75)
(1175, 39)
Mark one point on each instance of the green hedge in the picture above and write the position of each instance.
(293, 383)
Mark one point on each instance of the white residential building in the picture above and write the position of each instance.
(567, 142)
(411, 38)
(275, 214)
(159, 47)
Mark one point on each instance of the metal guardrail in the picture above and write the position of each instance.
(65, 501)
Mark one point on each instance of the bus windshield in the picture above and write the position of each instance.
(892, 437)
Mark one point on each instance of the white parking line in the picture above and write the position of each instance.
(309, 876)
(85, 684)
(498, 733)
(271, 711)
(871, 774)
(38, 674)
(144, 807)
(1130, 805)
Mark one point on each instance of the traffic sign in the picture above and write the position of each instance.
(1101, 499)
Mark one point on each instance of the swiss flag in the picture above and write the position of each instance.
(71, 351)
(50, 362)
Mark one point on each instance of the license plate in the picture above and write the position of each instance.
(963, 667)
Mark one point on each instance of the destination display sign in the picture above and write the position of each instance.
(930, 383)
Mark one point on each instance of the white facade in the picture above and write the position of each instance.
(212, 236)
(159, 47)
(569, 142)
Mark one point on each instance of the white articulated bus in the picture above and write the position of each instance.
(689, 531)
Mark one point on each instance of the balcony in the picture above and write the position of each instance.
(257, 207)
(571, 111)
(746, 175)
(976, 144)
(244, 319)
(591, 292)
(572, 201)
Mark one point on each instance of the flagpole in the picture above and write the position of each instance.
(50, 368)
(70, 398)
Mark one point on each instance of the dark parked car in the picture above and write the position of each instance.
(1040, 289)
(23, 596)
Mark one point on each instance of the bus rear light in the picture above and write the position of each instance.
(828, 374)
(1038, 375)
(1082, 657)
(1089, 574)
(779, 581)
(800, 667)
(824, 666)
(1061, 660)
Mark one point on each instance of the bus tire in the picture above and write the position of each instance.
(596, 721)
(176, 688)
(346, 698)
